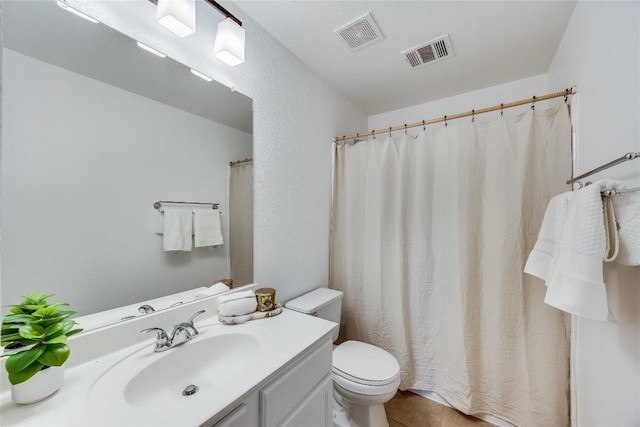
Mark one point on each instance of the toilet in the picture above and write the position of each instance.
(365, 377)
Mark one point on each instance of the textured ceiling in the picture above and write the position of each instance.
(493, 41)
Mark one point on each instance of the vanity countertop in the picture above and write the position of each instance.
(288, 336)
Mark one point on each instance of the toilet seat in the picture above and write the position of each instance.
(364, 368)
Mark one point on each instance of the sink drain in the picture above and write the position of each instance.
(190, 390)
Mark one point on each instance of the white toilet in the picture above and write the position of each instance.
(365, 377)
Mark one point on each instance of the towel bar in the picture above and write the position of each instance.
(158, 204)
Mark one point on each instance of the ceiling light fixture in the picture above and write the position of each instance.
(199, 74)
(150, 49)
(177, 16)
(63, 4)
(230, 36)
(229, 44)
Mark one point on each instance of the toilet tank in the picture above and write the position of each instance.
(323, 302)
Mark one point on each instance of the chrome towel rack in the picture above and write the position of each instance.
(622, 159)
(158, 204)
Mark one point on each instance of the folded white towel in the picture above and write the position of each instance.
(215, 289)
(627, 209)
(159, 222)
(206, 228)
(544, 252)
(575, 282)
(177, 227)
(610, 229)
(237, 303)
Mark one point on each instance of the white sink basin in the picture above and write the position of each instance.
(211, 361)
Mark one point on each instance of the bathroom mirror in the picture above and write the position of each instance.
(95, 130)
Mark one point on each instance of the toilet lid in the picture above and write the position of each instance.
(364, 363)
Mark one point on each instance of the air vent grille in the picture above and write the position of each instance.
(360, 33)
(429, 52)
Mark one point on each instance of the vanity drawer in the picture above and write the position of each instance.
(283, 395)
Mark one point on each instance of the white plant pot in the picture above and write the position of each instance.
(41, 385)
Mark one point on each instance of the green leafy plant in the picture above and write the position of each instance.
(34, 335)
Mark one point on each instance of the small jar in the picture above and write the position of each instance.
(266, 298)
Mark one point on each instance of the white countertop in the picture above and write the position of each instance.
(289, 335)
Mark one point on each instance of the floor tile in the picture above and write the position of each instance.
(413, 410)
(394, 423)
(454, 418)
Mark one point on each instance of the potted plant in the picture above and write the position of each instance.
(34, 335)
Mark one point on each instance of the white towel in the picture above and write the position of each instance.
(237, 303)
(159, 222)
(177, 228)
(627, 209)
(215, 289)
(575, 281)
(206, 228)
(542, 256)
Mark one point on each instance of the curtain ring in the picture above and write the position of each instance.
(389, 131)
(373, 133)
(405, 128)
(445, 121)
(501, 109)
(533, 103)
(423, 126)
(473, 116)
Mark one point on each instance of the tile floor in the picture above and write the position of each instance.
(407, 409)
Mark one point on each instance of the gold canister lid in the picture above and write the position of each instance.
(266, 298)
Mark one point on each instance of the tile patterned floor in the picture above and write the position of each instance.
(407, 409)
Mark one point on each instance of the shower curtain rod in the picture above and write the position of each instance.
(238, 162)
(471, 113)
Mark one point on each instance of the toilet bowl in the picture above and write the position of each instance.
(365, 377)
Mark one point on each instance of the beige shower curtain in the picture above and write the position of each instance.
(241, 223)
(429, 238)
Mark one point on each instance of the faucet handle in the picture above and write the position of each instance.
(146, 308)
(190, 321)
(162, 340)
(162, 334)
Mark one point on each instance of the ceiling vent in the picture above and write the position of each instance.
(360, 33)
(427, 53)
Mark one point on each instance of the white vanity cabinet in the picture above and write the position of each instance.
(300, 396)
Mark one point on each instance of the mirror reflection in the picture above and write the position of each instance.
(95, 130)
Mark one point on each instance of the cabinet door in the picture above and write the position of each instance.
(244, 415)
(315, 410)
(286, 393)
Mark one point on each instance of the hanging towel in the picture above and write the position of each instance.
(545, 250)
(177, 229)
(159, 222)
(206, 228)
(610, 229)
(627, 209)
(575, 281)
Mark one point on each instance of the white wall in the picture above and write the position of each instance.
(296, 115)
(82, 164)
(600, 53)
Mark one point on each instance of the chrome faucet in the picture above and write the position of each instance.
(146, 309)
(180, 334)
